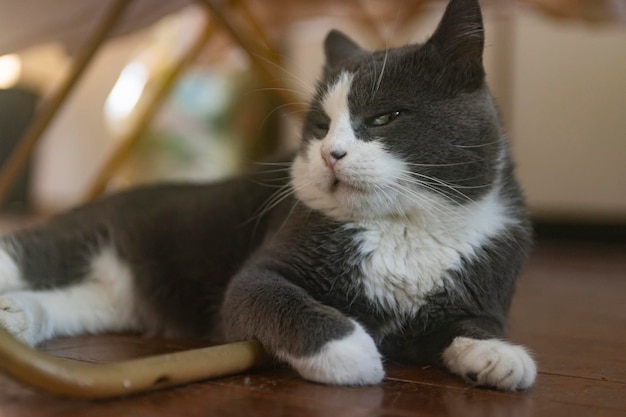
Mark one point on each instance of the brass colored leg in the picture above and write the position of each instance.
(253, 50)
(246, 13)
(99, 381)
(369, 22)
(414, 8)
(130, 138)
(51, 105)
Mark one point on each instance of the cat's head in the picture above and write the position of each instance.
(393, 132)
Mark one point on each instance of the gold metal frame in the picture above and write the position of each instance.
(99, 381)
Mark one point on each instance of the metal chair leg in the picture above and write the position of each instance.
(99, 381)
(255, 26)
(24, 149)
(254, 50)
(146, 113)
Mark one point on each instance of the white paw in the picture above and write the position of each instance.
(491, 363)
(353, 360)
(21, 319)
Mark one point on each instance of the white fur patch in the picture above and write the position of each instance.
(492, 363)
(353, 360)
(406, 259)
(102, 302)
(10, 277)
(335, 101)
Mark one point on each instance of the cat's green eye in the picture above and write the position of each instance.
(383, 119)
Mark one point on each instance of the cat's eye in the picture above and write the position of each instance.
(382, 119)
(320, 129)
(322, 126)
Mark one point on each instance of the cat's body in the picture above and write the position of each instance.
(400, 232)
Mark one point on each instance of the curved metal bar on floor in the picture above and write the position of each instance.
(100, 381)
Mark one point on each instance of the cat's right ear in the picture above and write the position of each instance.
(338, 47)
(459, 41)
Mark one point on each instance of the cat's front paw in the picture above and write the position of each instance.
(491, 363)
(16, 318)
(353, 360)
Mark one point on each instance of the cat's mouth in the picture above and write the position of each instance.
(337, 184)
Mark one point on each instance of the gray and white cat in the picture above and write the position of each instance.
(398, 235)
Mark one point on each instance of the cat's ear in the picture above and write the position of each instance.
(338, 47)
(460, 40)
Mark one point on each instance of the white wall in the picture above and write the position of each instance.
(569, 125)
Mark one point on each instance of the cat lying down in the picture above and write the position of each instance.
(397, 232)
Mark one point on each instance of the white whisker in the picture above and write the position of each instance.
(290, 113)
(291, 90)
(278, 197)
(382, 71)
(407, 175)
(284, 222)
(308, 87)
(295, 103)
(273, 171)
(451, 164)
(285, 164)
(449, 183)
(421, 198)
(480, 145)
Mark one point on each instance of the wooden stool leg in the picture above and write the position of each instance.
(49, 108)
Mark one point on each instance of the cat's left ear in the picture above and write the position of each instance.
(339, 47)
(459, 41)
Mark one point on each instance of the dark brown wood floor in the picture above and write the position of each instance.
(570, 309)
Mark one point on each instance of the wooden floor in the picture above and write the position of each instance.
(570, 309)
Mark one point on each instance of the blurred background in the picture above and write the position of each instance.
(201, 90)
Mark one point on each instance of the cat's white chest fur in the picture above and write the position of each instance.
(402, 265)
(405, 261)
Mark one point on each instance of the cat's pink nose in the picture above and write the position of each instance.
(331, 158)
